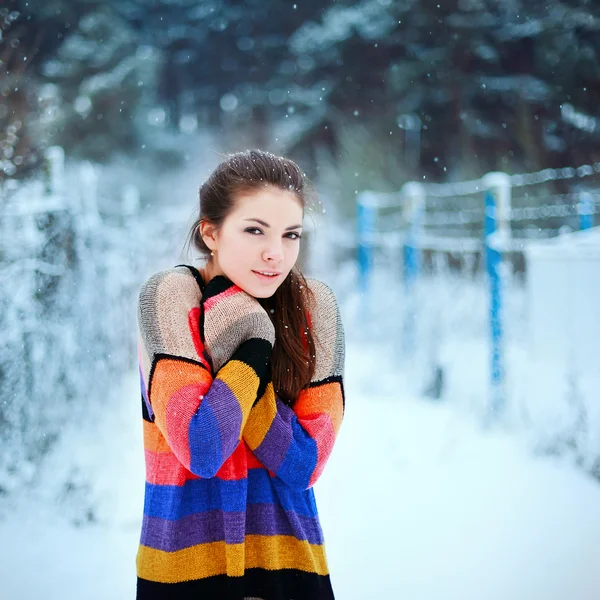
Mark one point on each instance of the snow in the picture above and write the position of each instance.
(527, 87)
(369, 18)
(578, 119)
(420, 500)
(450, 511)
(417, 502)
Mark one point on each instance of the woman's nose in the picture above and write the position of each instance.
(273, 252)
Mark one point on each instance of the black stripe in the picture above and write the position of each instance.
(256, 353)
(159, 356)
(203, 339)
(332, 379)
(145, 414)
(284, 584)
(196, 275)
(264, 382)
(217, 285)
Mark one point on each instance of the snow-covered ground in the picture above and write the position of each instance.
(416, 503)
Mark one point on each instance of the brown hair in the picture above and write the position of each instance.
(293, 358)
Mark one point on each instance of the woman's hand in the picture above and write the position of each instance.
(228, 317)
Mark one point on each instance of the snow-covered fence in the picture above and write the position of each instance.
(459, 229)
(71, 260)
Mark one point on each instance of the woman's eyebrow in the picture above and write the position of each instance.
(268, 226)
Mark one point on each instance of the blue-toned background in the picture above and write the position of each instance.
(454, 150)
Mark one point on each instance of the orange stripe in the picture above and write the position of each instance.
(154, 440)
(326, 398)
(177, 388)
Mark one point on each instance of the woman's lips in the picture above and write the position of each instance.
(266, 277)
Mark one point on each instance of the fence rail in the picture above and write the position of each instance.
(489, 216)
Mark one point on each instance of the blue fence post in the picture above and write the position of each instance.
(496, 235)
(365, 219)
(585, 209)
(413, 195)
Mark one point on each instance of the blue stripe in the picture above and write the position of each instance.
(199, 495)
(204, 426)
(301, 458)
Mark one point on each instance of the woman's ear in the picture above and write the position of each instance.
(208, 233)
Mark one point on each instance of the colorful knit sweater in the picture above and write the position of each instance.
(229, 510)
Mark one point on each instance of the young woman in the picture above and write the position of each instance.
(242, 398)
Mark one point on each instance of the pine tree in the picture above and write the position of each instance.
(19, 152)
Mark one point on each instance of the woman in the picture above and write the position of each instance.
(241, 374)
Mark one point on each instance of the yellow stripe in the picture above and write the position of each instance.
(285, 552)
(263, 415)
(217, 558)
(243, 381)
(197, 562)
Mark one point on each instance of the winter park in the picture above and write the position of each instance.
(451, 154)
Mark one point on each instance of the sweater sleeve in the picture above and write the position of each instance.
(200, 417)
(295, 443)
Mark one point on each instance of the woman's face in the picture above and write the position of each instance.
(261, 235)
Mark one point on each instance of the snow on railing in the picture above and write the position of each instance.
(484, 207)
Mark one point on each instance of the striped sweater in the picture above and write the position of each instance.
(229, 509)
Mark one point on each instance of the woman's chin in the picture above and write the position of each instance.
(259, 293)
(259, 289)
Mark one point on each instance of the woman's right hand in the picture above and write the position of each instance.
(228, 318)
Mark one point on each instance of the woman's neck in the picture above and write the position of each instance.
(209, 271)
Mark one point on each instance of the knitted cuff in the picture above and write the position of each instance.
(217, 285)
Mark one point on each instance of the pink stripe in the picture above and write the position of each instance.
(163, 468)
(180, 409)
(208, 304)
(320, 428)
(194, 326)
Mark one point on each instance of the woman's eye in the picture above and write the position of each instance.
(293, 235)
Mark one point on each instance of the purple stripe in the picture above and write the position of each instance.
(270, 519)
(217, 525)
(145, 394)
(201, 528)
(227, 411)
(276, 443)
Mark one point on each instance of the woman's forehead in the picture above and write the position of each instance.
(269, 204)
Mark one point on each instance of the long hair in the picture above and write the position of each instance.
(293, 357)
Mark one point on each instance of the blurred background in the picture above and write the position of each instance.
(454, 148)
